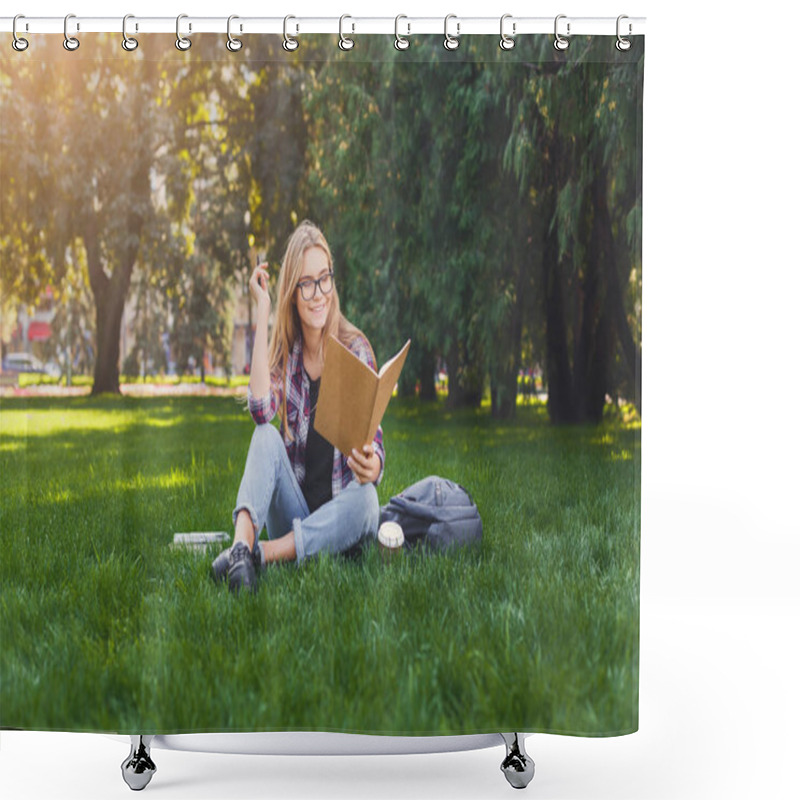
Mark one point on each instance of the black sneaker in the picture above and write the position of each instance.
(242, 571)
(220, 566)
(222, 563)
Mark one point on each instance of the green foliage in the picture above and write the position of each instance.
(435, 175)
(486, 205)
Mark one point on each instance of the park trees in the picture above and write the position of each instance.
(122, 164)
(86, 145)
(436, 228)
(487, 205)
(398, 159)
(576, 141)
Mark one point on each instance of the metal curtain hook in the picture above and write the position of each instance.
(623, 44)
(234, 45)
(401, 42)
(290, 44)
(128, 42)
(507, 42)
(18, 44)
(561, 42)
(182, 43)
(345, 43)
(70, 42)
(451, 42)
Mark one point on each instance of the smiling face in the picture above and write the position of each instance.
(313, 313)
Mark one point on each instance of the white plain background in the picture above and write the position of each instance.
(719, 605)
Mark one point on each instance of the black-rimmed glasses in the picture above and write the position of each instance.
(308, 286)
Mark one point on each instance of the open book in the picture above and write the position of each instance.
(353, 397)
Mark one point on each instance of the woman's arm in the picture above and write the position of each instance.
(259, 366)
(264, 394)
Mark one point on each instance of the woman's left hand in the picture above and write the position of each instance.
(366, 465)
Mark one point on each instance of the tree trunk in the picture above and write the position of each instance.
(406, 386)
(595, 343)
(455, 391)
(504, 395)
(506, 368)
(427, 378)
(108, 314)
(109, 298)
(577, 387)
(464, 379)
(560, 404)
(110, 289)
(631, 353)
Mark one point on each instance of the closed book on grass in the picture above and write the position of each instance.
(199, 540)
(353, 397)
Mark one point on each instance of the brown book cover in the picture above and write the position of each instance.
(353, 397)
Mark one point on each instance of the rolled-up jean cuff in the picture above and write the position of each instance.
(299, 544)
(253, 518)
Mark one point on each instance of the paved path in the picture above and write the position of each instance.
(131, 389)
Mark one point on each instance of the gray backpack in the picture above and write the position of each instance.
(435, 513)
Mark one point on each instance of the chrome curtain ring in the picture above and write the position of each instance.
(561, 42)
(345, 43)
(182, 43)
(451, 42)
(128, 42)
(290, 43)
(623, 44)
(70, 42)
(234, 45)
(507, 42)
(401, 42)
(19, 44)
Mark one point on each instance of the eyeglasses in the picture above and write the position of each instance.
(308, 287)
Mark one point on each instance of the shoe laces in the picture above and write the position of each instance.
(239, 552)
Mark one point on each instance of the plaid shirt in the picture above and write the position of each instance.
(298, 391)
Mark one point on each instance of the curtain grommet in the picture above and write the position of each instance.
(18, 43)
(129, 44)
(345, 43)
(401, 42)
(507, 42)
(181, 42)
(561, 43)
(234, 45)
(623, 44)
(290, 43)
(71, 43)
(451, 42)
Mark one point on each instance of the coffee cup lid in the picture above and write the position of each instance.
(390, 534)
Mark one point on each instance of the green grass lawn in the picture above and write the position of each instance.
(104, 627)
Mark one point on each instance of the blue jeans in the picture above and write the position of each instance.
(270, 493)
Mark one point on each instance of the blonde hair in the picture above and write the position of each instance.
(287, 327)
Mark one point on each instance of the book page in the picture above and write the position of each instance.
(403, 352)
(387, 380)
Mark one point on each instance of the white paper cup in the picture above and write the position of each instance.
(390, 539)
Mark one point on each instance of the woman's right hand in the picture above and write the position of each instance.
(259, 372)
(259, 287)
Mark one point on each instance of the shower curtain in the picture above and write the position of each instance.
(485, 204)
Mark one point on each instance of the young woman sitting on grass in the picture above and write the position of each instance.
(311, 497)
